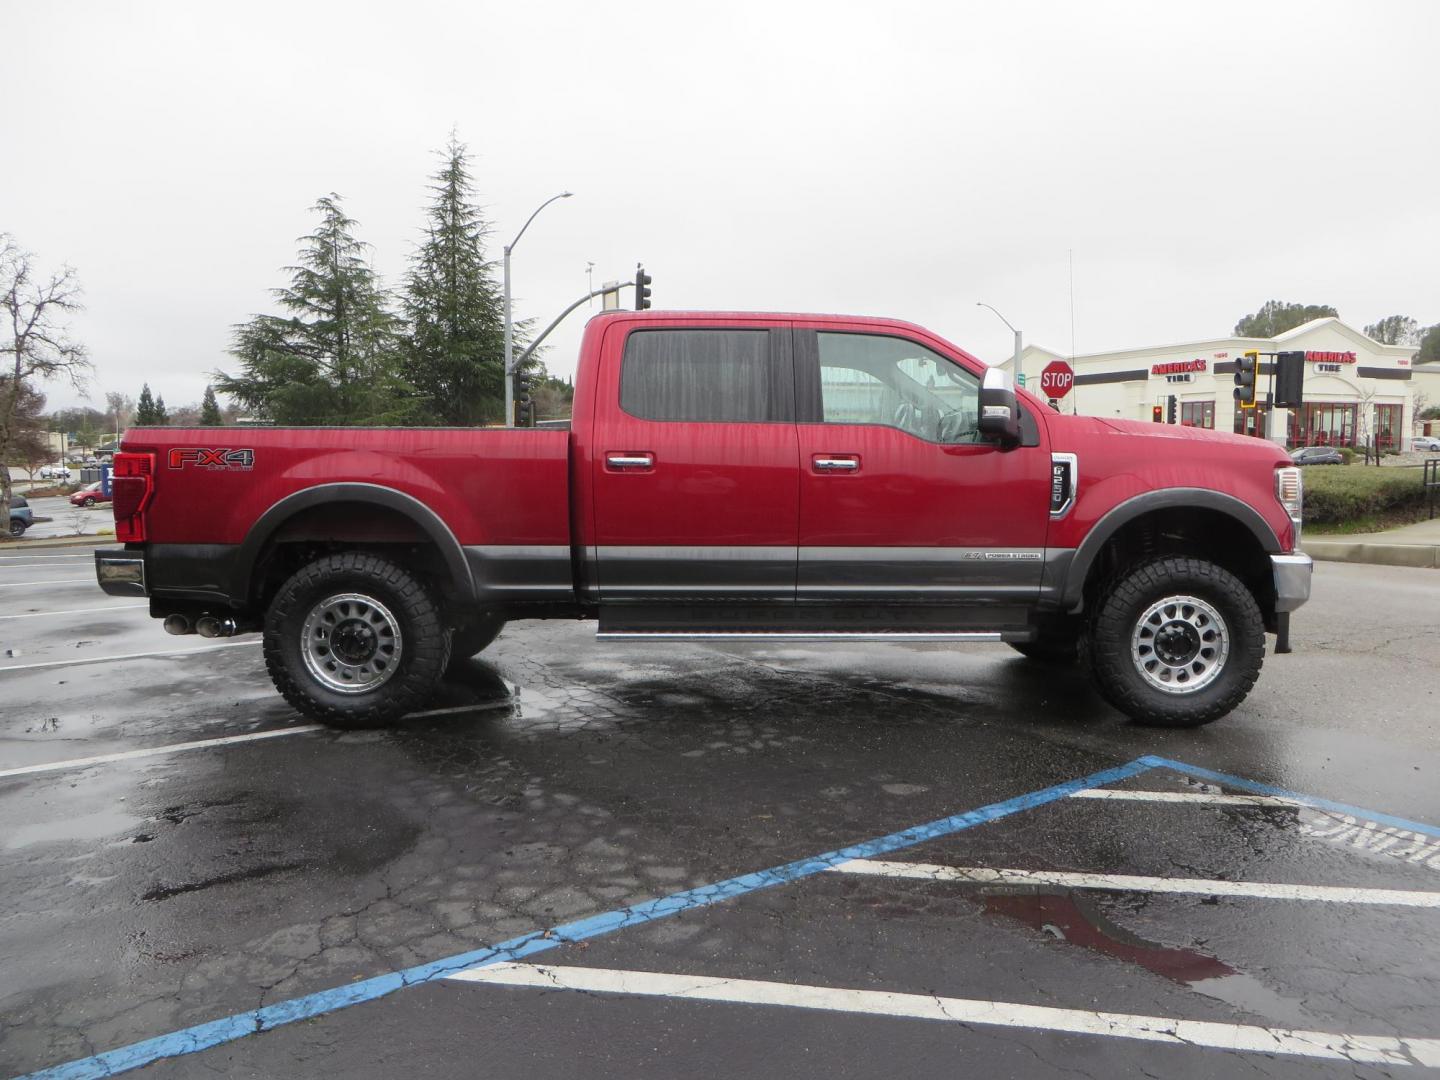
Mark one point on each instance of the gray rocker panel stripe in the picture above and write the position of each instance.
(869, 573)
(914, 572)
(654, 571)
(520, 571)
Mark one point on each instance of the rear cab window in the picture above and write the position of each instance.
(707, 375)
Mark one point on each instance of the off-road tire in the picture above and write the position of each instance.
(424, 652)
(474, 635)
(1105, 646)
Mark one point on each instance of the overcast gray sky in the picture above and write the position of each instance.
(888, 158)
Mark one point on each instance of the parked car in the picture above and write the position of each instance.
(21, 516)
(1317, 455)
(1425, 442)
(739, 476)
(54, 472)
(89, 495)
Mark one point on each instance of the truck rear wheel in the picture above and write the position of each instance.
(1176, 642)
(355, 641)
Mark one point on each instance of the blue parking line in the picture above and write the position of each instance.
(1257, 788)
(217, 1032)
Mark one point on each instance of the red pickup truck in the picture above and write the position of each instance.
(727, 476)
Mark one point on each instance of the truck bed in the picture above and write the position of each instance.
(490, 486)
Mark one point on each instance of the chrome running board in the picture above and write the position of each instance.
(796, 635)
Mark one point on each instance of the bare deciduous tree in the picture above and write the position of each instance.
(34, 342)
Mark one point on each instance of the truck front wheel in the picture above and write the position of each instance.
(355, 641)
(1176, 642)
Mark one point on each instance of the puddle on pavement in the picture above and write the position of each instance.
(1077, 921)
(100, 825)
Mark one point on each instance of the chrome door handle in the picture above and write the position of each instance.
(630, 461)
(837, 464)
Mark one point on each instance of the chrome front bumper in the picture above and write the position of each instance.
(1292, 580)
(121, 572)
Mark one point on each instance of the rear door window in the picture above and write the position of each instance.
(730, 376)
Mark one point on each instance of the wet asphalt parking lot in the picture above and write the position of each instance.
(658, 860)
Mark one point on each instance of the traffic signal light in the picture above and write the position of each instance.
(1289, 380)
(1157, 414)
(1247, 367)
(642, 288)
(524, 382)
(1170, 410)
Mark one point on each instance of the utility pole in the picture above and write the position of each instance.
(509, 327)
(1019, 346)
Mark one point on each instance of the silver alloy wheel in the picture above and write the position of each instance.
(351, 643)
(1180, 644)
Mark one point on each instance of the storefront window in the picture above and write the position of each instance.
(1197, 414)
(1387, 426)
(1250, 421)
(1324, 423)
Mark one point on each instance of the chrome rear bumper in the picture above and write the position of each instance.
(121, 572)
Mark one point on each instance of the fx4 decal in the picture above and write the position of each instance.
(220, 458)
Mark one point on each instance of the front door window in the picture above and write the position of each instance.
(869, 379)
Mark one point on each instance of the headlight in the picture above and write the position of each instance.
(1290, 490)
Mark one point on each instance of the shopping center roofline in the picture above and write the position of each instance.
(1233, 340)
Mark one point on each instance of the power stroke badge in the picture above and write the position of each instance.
(217, 459)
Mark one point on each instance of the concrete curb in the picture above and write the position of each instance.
(8, 546)
(1422, 555)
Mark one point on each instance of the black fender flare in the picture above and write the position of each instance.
(429, 522)
(1171, 498)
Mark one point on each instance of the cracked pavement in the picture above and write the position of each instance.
(560, 778)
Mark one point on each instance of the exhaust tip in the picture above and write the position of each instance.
(177, 624)
(213, 626)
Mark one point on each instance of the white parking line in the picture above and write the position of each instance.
(128, 656)
(1205, 797)
(56, 581)
(1371, 1049)
(1258, 890)
(75, 611)
(156, 751)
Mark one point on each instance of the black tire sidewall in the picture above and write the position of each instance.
(1107, 644)
(424, 651)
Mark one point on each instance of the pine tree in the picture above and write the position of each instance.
(145, 410)
(210, 410)
(455, 352)
(333, 359)
(162, 415)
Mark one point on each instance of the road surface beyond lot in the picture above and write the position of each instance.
(65, 520)
(177, 847)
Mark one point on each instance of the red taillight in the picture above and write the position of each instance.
(131, 486)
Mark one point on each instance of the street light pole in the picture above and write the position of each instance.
(509, 329)
(1015, 362)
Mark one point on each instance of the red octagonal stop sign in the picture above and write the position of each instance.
(1056, 379)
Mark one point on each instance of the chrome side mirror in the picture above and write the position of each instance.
(999, 412)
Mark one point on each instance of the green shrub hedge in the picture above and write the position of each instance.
(1335, 494)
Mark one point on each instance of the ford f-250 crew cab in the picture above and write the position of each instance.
(727, 476)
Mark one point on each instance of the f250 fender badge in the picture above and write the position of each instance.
(217, 459)
(1064, 475)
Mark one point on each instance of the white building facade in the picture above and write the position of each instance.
(1356, 389)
